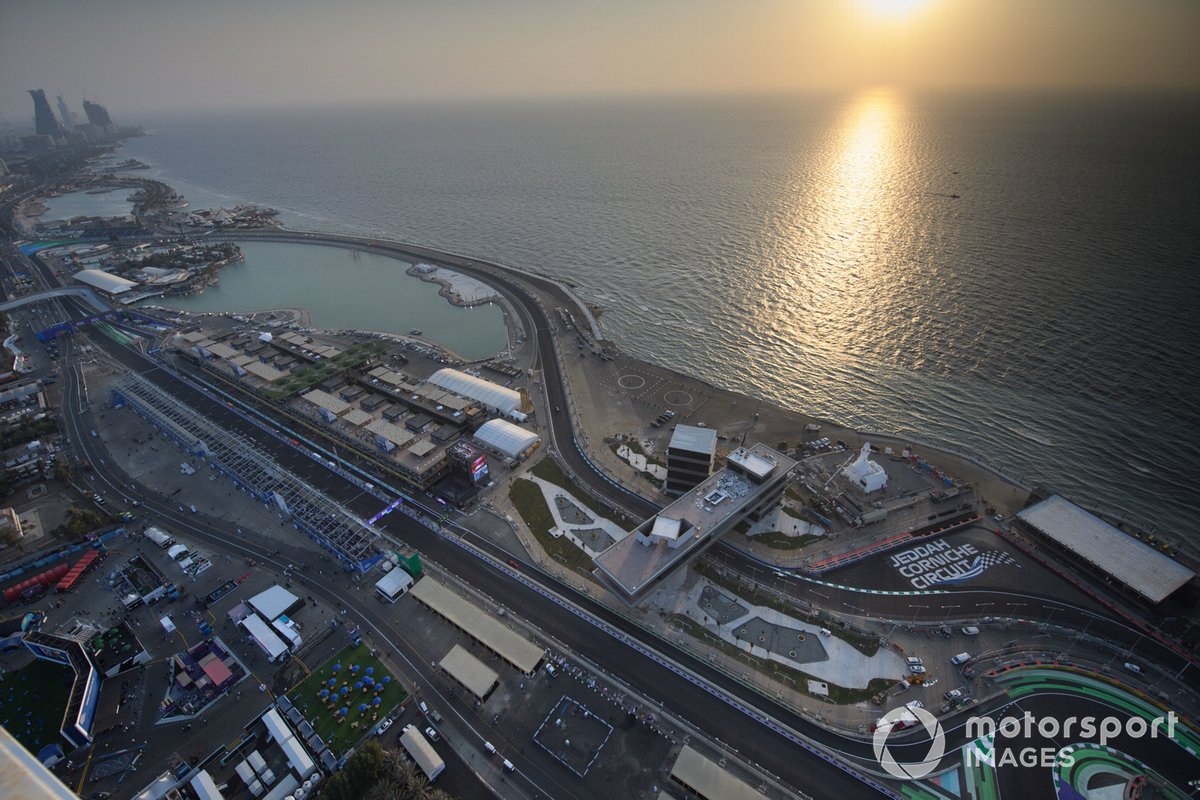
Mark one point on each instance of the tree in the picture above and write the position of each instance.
(417, 785)
(385, 789)
(62, 471)
(353, 780)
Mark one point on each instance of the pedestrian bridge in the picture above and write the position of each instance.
(70, 291)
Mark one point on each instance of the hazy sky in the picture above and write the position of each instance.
(142, 54)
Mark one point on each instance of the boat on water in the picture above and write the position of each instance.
(100, 191)
(415, 332)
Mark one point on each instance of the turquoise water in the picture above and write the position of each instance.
(82, 204)
(344, 289)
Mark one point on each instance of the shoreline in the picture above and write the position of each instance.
(970, 468)
(451, 290)
(590, 324)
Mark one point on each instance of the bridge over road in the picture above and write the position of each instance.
(69, 291)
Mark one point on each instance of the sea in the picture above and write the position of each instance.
(1015, 276)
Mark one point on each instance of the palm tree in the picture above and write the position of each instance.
(417, 787)
(385, 789)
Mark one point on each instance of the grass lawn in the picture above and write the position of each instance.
(865, 644)
(781, 541)
(341, 735)
(32, 702)
(531, 505)
(841, 695)
(548, 470)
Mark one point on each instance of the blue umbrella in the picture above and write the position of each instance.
(369, 681)
(387, 678)
(378, 700)
(345, 690)
(343, 711)
(358, 684)
(370, 670)
(331, 682)
(362, 707)
(336, 667)
(323, 694)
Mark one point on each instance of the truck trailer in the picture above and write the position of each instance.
(422, 752)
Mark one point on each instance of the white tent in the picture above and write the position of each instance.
(494, 396)
(506, 438)
(262, 634)
(113, 284)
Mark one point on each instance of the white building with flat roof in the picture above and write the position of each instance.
(1115, 556)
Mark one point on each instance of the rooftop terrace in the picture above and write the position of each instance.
(690, 524)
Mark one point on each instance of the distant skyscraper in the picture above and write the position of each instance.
(97, 114)
(47, 125)
(65, 115)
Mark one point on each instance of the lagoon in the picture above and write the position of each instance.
(348, 289)
(82, 204)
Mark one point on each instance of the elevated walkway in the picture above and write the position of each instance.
(68, 291)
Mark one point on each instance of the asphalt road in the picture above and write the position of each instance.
(678, 694)
(966, 603)
(970, 603)
(686, 698)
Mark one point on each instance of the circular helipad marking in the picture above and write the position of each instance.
(678, 397)
(631, 382)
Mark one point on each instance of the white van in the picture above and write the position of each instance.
(961, 658)
(1134, 668)
(508, 766)
(970, 630)
(491, 748)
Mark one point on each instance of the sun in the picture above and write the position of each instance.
(894, 9)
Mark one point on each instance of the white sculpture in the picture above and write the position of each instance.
(865, 473)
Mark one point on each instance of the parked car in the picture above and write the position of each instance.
(953, 694)
(432, 734)
(383, 726)
(916, 669)
(913, 660)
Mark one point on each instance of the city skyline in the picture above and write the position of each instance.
(181, 56)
